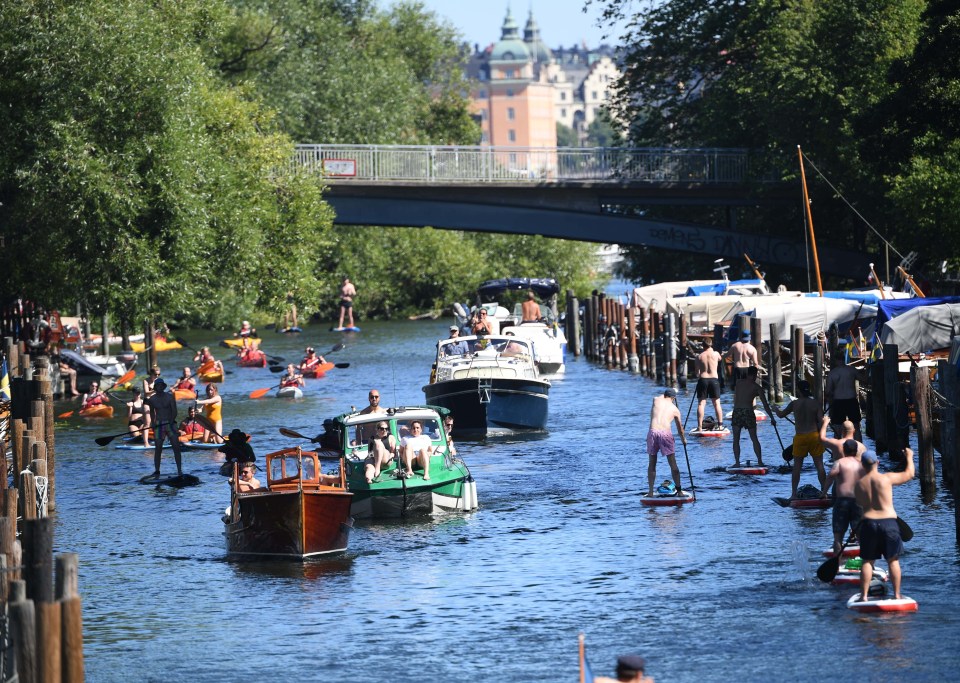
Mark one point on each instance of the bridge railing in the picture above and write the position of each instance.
(438, 164)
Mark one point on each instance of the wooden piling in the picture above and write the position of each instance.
(67, 593)
(624, 342)
(8, 540)
(797, 345)
(879, 406)
(633, 361)
(818, 373)
(923, 404)
(23, 632)
(37, 540)
(573, 323)
(891, 395)
(49, 649)
(776, 369)
(670, 346)
(683, 360)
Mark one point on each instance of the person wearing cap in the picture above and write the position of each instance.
(846, 472)
(879, 532)
(660, 438)
(163, 417)
(629, 670)
(311, 361)
(743, 354)
(237, 447)
(745, 394)
(457, 348)
(806, 439)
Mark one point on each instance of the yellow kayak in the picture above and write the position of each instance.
(237, 342)
(159, 344)
(211, 376)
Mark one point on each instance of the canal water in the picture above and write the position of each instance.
(721, 589)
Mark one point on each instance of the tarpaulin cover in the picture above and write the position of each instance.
(891, 309)
(867, 296)
(722, 288)
(924, 328)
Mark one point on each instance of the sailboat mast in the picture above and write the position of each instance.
(813, 239)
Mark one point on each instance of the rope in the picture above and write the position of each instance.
(42, 486)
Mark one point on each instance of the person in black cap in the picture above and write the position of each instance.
(163, 417)
(660, 438)
(237, 447)
(629, 670)
(743, 354)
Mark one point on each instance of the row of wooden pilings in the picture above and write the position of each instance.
(654, 344)
(41, 604)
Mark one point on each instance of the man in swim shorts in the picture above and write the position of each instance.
(806, 440)
(879, 531)
(745, 394)
(347, 292)
(708, 383)
(660, 438)
(744, 355)
(846, 472)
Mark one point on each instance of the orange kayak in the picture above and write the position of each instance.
(185, 394)
(102, 410)
(319, 371)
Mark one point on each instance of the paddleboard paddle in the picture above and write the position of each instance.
(692, 399)
(104, 440)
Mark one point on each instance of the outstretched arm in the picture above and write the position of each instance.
(905, 476)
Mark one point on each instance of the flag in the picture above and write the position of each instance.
(4, 381)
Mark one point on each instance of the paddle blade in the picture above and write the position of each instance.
(339, 347)
(123, 379)
(906, 533)
(222, 343)
(276, 359)
(183, 342)
(104, 440)
(293, 434)
(207, 423)
(273, 361)
(341, 365)
(67, 414)
(278, 368)
(260, 393)
(828, 570)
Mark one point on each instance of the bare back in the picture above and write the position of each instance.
(531, 311)
(662, 412)
(874, 491)
(808, 414)
(846, 472)
(743, 354)
(707, 363)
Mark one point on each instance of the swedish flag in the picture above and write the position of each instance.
(4, 381)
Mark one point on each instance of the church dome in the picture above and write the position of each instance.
(538, 49)
(510, 47)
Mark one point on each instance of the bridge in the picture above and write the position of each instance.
(587, 194)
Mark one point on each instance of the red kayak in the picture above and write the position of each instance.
(253, 361)
(318, 371)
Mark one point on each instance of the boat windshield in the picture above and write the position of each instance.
(462, 347)
(288, 467)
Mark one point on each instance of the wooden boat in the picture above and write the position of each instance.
(299, 514)
(450, 488)
(493, 388)
(101, 410)
(159, 344)
(237, 342)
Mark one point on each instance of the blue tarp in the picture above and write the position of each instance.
(866, 297)
(891, 308)
(720, 288)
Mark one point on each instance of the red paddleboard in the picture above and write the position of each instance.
(849, 551)
(747, 469)
(882, 604)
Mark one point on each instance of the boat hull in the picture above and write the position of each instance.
(492, 406)
(295, 524)
(289, 392)
(390, 499)
(258, 362)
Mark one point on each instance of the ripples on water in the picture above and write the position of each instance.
(560, 545)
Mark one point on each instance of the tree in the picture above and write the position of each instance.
(566, 136)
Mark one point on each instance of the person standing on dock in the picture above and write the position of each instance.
(843, 393)
(163, 417)
(745, 394)
(347, 292)
(846, 472)
(660, 438)
(708, 383)
(879, 532)
(744, 356)
(806, 440)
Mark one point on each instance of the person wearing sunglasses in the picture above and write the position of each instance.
(366, 431)
(381, 450)
(448, 430)
(482, 324)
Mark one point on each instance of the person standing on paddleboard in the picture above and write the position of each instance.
(347, 292)
(708, 383)
(163, 416)
(846, 472)
(745, 394)
(806, 439)
(660, 438)
(843, 393)
(744, 356)
(879, 532)
(835, 446)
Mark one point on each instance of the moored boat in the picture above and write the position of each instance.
(490, 384)
(299, 514)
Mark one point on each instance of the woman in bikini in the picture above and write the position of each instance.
(138, 416)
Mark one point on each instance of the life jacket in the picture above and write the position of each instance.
(290, 382)
(309, 363)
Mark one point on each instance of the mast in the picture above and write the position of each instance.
(813, 239)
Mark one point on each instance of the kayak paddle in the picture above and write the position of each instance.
(906, 533)
(295, 435)
(121, 380)
(260, 393)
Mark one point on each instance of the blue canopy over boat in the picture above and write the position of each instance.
(891, 308)
(720, 288)
(864, 296)
(544, 287)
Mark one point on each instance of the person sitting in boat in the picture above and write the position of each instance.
(530, 309)
(250, 352)
(93, 397)
(213, 408)
(481, 323)
(457, 348)
(416, 449)
(150, 380)
(207, 362)
(186, 382)
(448, 429)
(311, 361)
(246, 330)
(381, 450)
(69, 375)
(292, 378)
(138, 416)
(248, 482)
(191, 429)
(513, 348)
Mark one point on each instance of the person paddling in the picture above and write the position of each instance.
(163, 416)
(806, 440)
(745, 394)
(846, 472)
(708, 383)
(660, 438)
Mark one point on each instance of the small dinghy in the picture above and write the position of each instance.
(881, 603)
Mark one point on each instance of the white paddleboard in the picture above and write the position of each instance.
(882, 604)
(138, 446)
(852, 576)
(666, 499)
(709, 432)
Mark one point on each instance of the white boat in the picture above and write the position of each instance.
(290, 392)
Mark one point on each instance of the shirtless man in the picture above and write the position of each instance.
(347, 292)
(842, 392)
(660, 438)
(366, 431)
(186, 382)
(745, 393)
(708, 382)
(743, 354)
(247, 482)
(807, 437)
(530, 309)
(416, 449)
(846, 472)
(836, 445)
(879, 533)
(381, 450)
(163, 417)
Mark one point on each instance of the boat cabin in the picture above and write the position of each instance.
(502, 357)
(361, 428)
(294, 468)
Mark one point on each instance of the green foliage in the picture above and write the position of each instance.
(566, 136)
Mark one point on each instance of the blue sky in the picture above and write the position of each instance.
(562, 22)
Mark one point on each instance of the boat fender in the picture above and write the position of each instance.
(459, 310)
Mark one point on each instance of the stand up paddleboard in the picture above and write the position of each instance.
(847, 577)
(200, 446)
(709, 432)
(176, 480)
(138, 446)
(819, 503)
(290, 330)
(849, 551)
(882, 604)
(665, 499)
(747, 469)
(344, 329)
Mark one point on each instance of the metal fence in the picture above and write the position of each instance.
(437, 164)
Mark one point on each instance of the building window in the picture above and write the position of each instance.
(483, 94)
(511, 114)
(509, 92)
(512, 134)
(563, 96)
(594, 93)
(563, 113)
